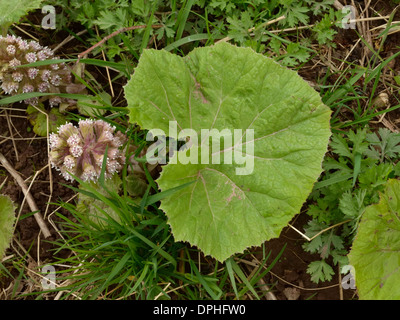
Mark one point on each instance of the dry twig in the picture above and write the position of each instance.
(82, 54)
(29, 198)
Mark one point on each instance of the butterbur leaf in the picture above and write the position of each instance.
(7, 217)
(375, 253)
(12, 11)
(247, 189)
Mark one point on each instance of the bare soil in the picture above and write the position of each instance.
(28, 156)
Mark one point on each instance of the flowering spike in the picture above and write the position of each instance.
(14, 52)
(80, 150)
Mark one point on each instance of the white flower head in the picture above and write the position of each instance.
(81, 150)
(28, 88)
(54, 141)
(11, 49)
(14, 63)
(32, 73)
(69, 162)
(46, 75)
(74, 140)
(17, 76)
(43, 86)
(31, 57)
(35, 46)
(76, 150)
(55, 80)
(22, 44)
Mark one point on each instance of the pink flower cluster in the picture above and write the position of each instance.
(14, 52)
(80, 150)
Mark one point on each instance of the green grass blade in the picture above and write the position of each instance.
(147, 30)
(141, 277)
(116, 270)
(185, 40)
(182, 18)
(357, 167)
(154, 247)
(242, 276)
(23, 96)
(161, 195)
(229, 269)
(203, 281)
(334, 180)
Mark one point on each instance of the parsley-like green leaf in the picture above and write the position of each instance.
(386, 145)
(320, 271)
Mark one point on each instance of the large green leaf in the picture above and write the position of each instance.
(375, 254)
(225, 87)
(7, 217)
(12, 11)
